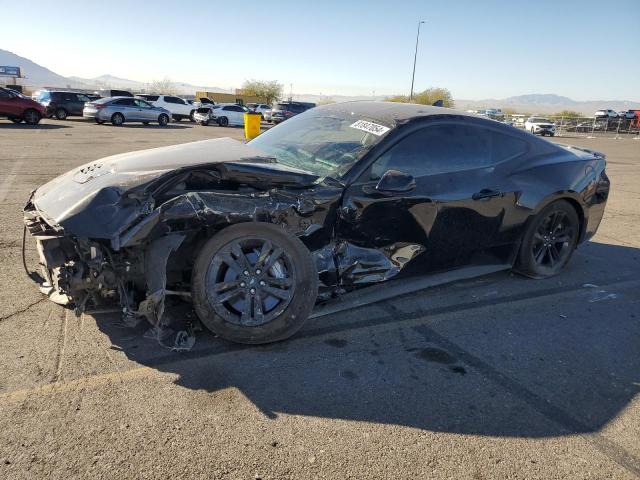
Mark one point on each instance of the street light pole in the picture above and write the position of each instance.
(415, 57)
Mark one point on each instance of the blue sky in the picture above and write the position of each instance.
(586, 50)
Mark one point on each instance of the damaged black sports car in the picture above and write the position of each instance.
(335, 199)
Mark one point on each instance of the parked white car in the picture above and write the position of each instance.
(178, 107)
(260, 108)
(606, 114)
(224, 114)
(628, 114)
(540, 126)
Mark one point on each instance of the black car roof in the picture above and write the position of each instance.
(392, 112)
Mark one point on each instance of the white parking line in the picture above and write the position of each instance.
(4, 187)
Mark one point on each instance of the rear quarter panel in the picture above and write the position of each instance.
(572, 175)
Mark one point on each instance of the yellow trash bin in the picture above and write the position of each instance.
(251, 125)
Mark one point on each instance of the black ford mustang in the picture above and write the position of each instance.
(337, 198)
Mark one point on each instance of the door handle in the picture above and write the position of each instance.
(486, 193)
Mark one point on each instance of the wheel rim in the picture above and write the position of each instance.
(61, 114)
(117, 119)
(553, 240)
(163, 120)
(250, 282)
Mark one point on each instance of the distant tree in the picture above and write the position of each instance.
(164, 86)
(568, 114)
(427, 97)
(269, 90)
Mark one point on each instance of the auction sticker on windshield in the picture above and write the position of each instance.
(370, 127)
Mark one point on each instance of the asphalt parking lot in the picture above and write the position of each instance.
(496, 377)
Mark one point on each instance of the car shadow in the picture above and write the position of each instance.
(511, 371)
(24, 126)
(170, 126)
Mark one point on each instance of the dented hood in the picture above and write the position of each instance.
(98, 186)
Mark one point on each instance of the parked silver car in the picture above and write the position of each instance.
(118, 110)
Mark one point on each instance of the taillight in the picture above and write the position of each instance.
(99, 106)
(288, 114)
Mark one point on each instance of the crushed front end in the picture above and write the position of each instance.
(77, 271)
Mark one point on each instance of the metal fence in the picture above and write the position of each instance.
(587, 127)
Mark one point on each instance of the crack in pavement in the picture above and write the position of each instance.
(17, 312)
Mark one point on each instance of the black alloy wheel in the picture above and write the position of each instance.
(549, 241)
(254, 283)
(250, 282)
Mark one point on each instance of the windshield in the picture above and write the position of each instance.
(539, 120)
(324, 144)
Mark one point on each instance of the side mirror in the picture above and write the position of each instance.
(394, 181)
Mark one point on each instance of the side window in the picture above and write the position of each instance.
(142, 104)
(447, 148)
(83, 98)
(69, 97)
(174, 100)
(228, 109)
(127, 102)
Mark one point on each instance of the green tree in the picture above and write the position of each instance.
(269, 90)
(568, 114)
(427, 97)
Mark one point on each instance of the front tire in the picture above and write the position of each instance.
(163, 120)
(204, 123)
(191, 116)
(223, 121)
(549, 241)
(31, 117)
(254, 283)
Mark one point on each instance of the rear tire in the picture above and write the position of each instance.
(254, 283)
(163, 120)
(16, 119)
(204, 123)
(549, 241)
(99, 122)
(145, 123)
(31, 117)
(117, 119)
(61, 114)
(223, 121)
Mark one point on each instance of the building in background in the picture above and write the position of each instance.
(237, 97)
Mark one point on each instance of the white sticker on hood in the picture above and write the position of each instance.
(370, 127)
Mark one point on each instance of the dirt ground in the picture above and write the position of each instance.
(496, 377)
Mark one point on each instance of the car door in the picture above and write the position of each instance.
(130, 110)
(146, 111)
(455, 213)
(9, 104)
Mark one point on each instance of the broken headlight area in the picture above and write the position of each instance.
(90, 277)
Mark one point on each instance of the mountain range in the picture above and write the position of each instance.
(37, 76)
